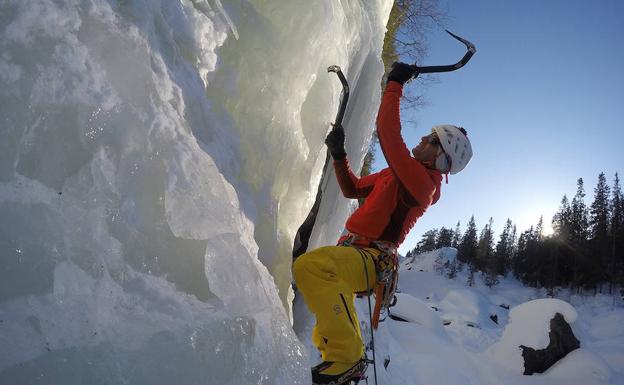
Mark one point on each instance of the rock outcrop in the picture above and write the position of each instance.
(562, 342)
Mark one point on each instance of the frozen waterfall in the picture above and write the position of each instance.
(156, 159)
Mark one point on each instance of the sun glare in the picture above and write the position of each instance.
(548, 229)
(531, 216)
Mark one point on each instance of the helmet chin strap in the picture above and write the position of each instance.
(443, 163)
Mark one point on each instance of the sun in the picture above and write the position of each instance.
(548, 229)
(529, 217)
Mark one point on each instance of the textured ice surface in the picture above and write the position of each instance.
(156, 158)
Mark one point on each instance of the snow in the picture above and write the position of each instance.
(583, 367)
(470, 348)
(416, 311)
(440, 331)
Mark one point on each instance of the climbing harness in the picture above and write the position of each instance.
(386, 269)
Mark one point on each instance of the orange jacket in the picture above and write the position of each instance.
(395, 196)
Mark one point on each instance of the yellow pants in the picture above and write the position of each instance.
(327, 277)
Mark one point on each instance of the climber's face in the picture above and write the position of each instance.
(428, 149)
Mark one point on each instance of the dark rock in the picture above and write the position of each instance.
(504, 306)
(386, 363)
(397, 318)
(562, 342)
(494, 317)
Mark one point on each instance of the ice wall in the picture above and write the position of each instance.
(156, 159)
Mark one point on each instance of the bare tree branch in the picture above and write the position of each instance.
(408, 27)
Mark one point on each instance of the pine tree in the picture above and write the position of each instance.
(485, 247)
(599, 231)
(504, 249)
(565, 254)
(456, 236)
(486, 255)
(513, 242)
(468, 246)
(548, 250)
(542, 259)
(616, 234)
(539, 258)
(427, 242)
(445, 238)
(579, 221)
(525, 265)
(579, 231)
(517, 266)
(562, 219)
(599, 210)
(539, 229)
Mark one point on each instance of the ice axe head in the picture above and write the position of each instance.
(471, 47)
(452, 67)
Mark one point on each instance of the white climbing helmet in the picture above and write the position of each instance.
(456, 146)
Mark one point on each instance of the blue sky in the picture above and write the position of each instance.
(542, 100)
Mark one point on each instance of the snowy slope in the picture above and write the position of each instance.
(450, 339)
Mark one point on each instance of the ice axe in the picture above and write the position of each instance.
(421, 70)
(345, 94)
(302, 237)
(451, 67)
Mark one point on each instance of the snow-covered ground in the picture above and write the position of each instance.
(450, 338)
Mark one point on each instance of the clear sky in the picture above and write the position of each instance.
(542, 100)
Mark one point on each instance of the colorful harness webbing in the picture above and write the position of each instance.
(386, 269)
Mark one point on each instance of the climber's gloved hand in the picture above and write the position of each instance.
(402, 73)
(335, 143)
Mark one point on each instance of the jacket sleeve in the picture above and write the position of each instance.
(351, 185)
(412, 175)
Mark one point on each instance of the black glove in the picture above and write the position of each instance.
(402, 72)
(335, 143)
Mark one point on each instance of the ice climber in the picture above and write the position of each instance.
(394, 198)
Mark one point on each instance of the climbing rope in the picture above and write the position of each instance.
(370, 312)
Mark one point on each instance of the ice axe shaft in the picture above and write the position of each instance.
(451, 67)
(345, 94)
